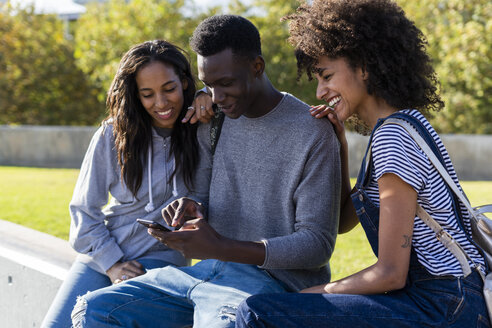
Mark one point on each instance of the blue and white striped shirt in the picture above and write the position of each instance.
(394, 151)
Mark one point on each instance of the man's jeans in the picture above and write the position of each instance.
(80, 280)
(204, 295)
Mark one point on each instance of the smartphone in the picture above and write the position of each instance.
(153, 225)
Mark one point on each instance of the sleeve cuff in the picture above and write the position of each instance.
(204, 90)
(263, 266)
(108, 256)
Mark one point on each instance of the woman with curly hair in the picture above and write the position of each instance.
(143, 157)
(371, 64)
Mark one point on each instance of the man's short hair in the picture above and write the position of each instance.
(221, 32)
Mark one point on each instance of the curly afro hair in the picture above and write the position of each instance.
(221, 32)
(374, 35)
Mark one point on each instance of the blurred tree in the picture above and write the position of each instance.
(281, 64)
(460, 41)
(459, 35)
(107, 30)
(39, 81)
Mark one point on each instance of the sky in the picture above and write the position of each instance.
(62, 7)
(210, 3)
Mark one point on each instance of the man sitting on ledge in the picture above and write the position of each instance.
(273, 206)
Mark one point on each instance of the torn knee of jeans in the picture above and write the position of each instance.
(78, 313)
(228, 313)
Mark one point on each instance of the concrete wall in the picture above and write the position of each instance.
(43, 146)
(470, 154)
(32, 267)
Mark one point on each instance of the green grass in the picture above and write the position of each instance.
(38, 198)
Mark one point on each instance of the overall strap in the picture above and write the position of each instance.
(366, 166)
(416, 124)
(437, 162)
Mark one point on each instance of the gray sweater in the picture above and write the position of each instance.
(276, 179)
(105, 234)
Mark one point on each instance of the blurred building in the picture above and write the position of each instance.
(66, 10)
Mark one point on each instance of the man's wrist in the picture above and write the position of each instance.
(249, 252)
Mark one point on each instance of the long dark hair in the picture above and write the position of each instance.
(132, 125)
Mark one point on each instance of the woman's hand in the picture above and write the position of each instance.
(200, 110)
(121, 271)
(320, 111)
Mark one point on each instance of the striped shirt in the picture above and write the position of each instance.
(394, 151)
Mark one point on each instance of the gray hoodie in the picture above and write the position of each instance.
(105, 233)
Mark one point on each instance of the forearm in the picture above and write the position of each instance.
(346, 188)
(247, 252)
(376, 279)
(348, 217)
(396, 217)
(101, 247)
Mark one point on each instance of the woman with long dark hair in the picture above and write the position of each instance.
(371, 65)
(141, 158)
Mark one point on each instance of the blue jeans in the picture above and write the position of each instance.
(204, 295)
(80, 280)
(427, 301)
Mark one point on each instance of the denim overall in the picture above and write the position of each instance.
(425, 301)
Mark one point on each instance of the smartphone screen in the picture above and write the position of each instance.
(153, 225)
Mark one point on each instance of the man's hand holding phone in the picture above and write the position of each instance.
(182, 210)
(193, 237)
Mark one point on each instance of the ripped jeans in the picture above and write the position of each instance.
(79, 280)
(204, 295)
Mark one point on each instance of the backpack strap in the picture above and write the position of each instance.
(437, 164)
(446, 239)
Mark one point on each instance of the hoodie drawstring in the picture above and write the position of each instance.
(150, 205)
(175, 191)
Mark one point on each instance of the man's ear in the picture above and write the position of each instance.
(258, 66)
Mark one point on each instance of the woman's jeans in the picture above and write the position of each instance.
(204, 295)
(426, 302)
(80, 280)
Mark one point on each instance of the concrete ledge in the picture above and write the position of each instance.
(32, 266)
